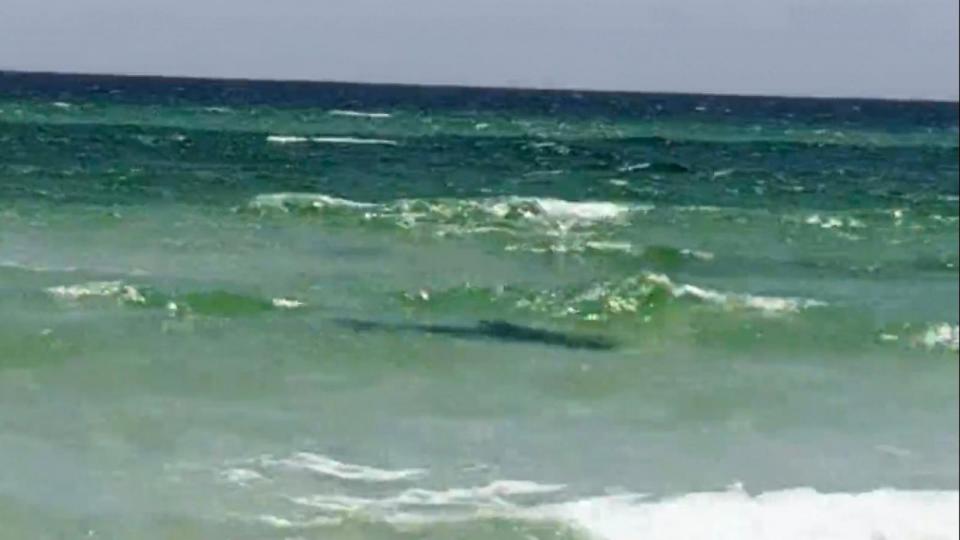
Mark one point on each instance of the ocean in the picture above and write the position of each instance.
(289, 310)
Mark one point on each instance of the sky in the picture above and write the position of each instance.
(857, 48)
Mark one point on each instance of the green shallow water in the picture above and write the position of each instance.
(228, 312)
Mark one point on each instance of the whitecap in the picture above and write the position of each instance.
(943, 335)
(280, 522)
(286, 139)
(794, 514)
(630, 167)
(116, 289)
(241, 476)
(766, 304)
(359, 114)
(352, 140)
(285, 201)
(697, 254)
(623, 247)
(496, 494)
(325, 466)
(791, 514)
(824, 223)
(335, 503)
(545, 218)
(838, 223)
(581, 211)
(776, 304)
(287, 303)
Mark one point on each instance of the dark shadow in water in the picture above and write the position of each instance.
(498, 330)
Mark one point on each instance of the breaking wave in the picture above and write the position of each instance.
(439, 210)
(325, 466)
(529, 223)
(635, 296)
(211, 303)
(794, 514)
(372, 498)
(359, 114)
(290, 139)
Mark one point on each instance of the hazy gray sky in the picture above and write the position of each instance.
(877, 48)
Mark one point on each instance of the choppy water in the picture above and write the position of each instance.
(264, 310)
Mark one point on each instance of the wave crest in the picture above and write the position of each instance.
(794, 514)
(211, 303)
(358, 114)
(941, 336)
(639, 296)
(325, 466)
(529, 224)
(367, 498)
(101, 289)
(291, 139)
(440, 210)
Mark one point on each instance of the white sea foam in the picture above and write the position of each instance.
(941, 335)
(337, 503)
(496, 494)
(285, 201)
(287, 523)
(116, 289)
(351, 140)
(493, 494)
(797, 514)
(286, 139)
(291, 139)
(635, 167)
(624, 247)
(767, 304)
(793, 514)
(833, 222)
(697, 254)
(359, 114)
(406, 212)
(555, 211)
(241, 476)
(581, 211)
(287, 303)
(325, 466)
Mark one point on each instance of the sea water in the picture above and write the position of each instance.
(255, 310)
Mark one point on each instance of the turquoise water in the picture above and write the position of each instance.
(282, 310)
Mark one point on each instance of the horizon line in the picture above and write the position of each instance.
(455, 86)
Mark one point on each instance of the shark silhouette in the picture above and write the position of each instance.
(496, 330)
